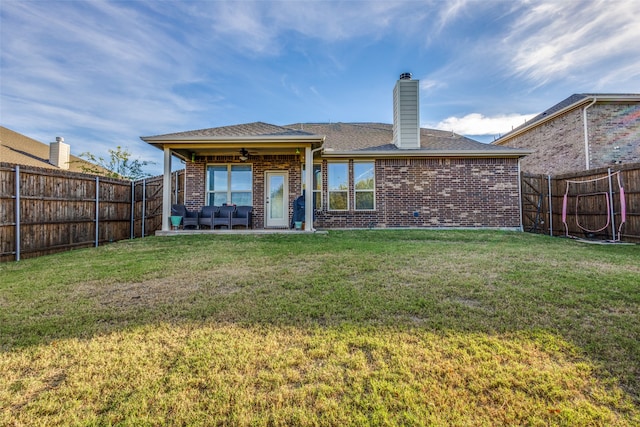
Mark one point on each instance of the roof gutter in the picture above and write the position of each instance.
(431, 153)
(586, 131)
(160, 141)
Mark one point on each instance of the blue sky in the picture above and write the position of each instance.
(104, 73)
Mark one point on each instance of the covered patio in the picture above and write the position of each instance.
(256, 164)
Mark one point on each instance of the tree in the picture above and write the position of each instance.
(119, 165)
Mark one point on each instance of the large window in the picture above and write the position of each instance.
(230, 184)
(317, 184)
(338, 180)
(364, 185)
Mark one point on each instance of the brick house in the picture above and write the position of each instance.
(21, 150)
(363, 175)
(582, 132)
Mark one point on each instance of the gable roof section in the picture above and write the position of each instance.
(22, 150)
(567, 104)
(339, 140)
(240, 131)
(226, 139)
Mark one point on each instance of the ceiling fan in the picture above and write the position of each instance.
(245, 154)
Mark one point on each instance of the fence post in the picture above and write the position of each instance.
(144, 203)
(133, 207)
(550, 208)
(17, 213)
(97, 211)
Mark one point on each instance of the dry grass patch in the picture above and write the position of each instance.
(209, 374)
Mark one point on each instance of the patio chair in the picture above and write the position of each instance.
(242, 216)
(206, 215)
(189, 218)
(223, 216)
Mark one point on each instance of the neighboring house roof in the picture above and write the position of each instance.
(567, 104)
(343, 139)
(22, 150)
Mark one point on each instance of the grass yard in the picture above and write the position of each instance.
(463, 328)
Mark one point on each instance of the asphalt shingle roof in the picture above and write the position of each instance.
(343, 137)
(240, 130)
(22, 150)
(379, 137)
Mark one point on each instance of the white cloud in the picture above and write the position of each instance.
(478, 124)
(266, 28)
(552, 40)
(450, 11)
(427, 85)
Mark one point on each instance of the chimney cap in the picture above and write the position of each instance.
(405, 76)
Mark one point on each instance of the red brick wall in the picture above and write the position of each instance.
(434, 193)
(614, 134)
(195, 181)
(443, 192)
(614, 138)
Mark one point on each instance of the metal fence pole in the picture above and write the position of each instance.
(133, 207)
(144, 203)
(97, 211)
(17, 213)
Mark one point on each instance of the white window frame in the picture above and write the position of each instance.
(329, 191)
(209, 191)
(315, 192)
(372, 190)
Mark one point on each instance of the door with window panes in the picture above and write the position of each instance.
(276, 199)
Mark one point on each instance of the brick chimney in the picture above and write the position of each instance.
(406, 112)
(59, 153)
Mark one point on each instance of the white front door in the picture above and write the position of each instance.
(277, 199)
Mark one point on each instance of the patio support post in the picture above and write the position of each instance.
(166, 190)
(308, 185)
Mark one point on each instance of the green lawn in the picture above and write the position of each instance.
(460, 328)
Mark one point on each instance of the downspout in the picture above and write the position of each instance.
(308, 185)
(520, 197)
(586, 132)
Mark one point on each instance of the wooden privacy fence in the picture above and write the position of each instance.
(43, 211)
(600, 204)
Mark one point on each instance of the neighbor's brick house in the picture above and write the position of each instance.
(364, 175)
(21, 150)
(582, 132)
